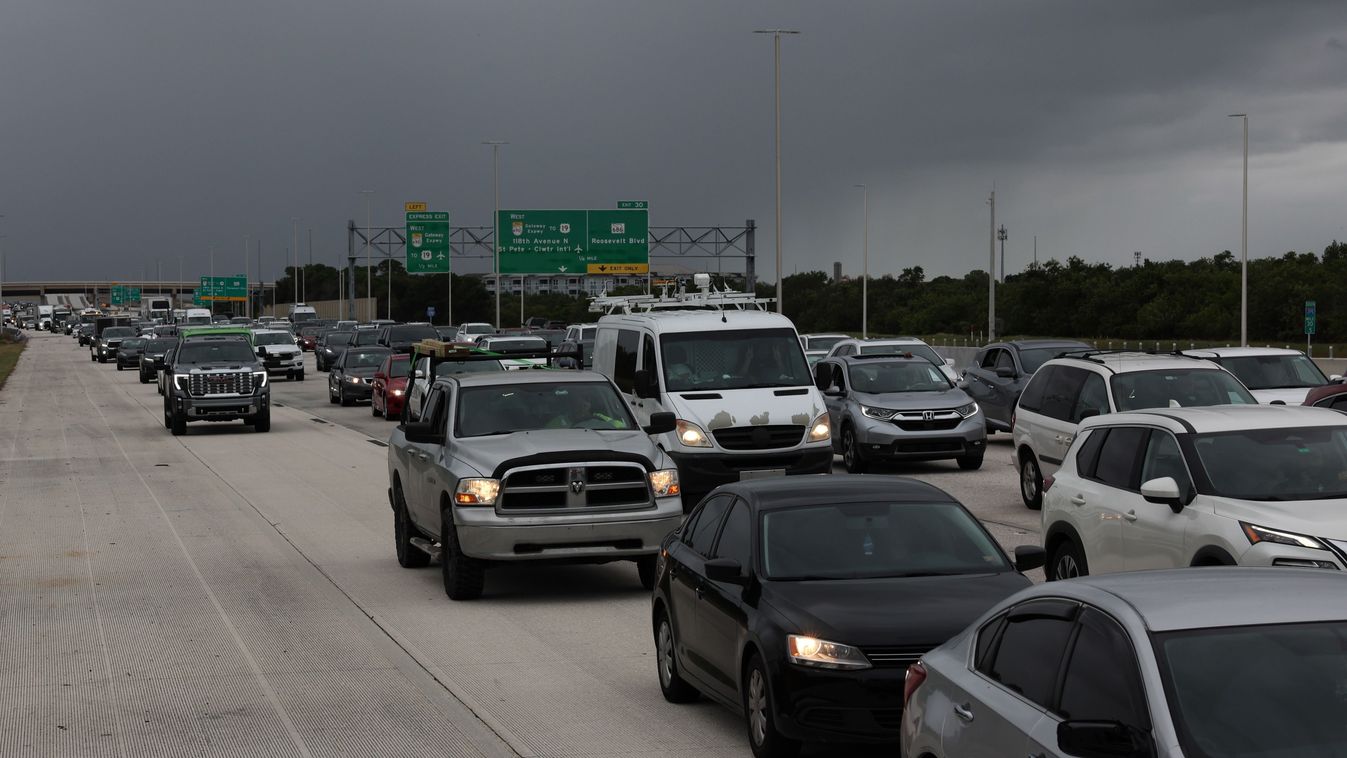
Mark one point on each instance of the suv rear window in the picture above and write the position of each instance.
(412, 333)
(1184, 388)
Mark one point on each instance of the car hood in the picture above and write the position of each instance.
(486, 453)
(722, 409)
(200, 368)
(280, 349)
(914, 401)
(913, 611)
(1290, 395)
(1317, 518)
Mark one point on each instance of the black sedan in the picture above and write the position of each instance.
(801, 601)
(128, 353)
(152, 358)
(330, 347)
(352, 377)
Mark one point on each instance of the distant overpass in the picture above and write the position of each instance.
(99, 292)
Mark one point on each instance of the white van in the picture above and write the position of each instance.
(197, 317)
(300, 312)
(733, 375)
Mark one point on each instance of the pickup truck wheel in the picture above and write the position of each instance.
(177, 423)
(645, 569)
(299, 376)
(262, 421)
(409, 556)
(463, 576)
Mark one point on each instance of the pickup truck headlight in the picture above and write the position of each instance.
(883, 414)
(180, 381)
(811, 651)
(260, 378)
(691, 435)
(966, 411)
(476, 491)
(819, 429)
(665, 482)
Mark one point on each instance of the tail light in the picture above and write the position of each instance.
(916, 674)
(1047, 482)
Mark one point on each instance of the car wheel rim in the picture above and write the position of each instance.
(665, 654)
(757, 707)
(1029, 480)
(1067, 567)
(849, 448)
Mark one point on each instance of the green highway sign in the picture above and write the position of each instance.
(633, 205)
(1311, 316)
(131, 294)
(223, 288)
(561, 241)
(427, 242)
(118, 294)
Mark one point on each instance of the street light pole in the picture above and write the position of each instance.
(294, 227)
(304, 290)
(212, 279)
(495, 218)
(369, 223)
(1001, 235)
(1244, 242)
(247, 281)
(865, 263)
(991, 271)
(776, 53)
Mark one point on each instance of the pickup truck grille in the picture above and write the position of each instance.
(575, 486)
(759, 437)
(220, 383)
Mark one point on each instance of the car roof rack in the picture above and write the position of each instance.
(440, 351)
(1090, 355)
(708, 297)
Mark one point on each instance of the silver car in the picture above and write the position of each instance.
(1160, 664)
(887, 407)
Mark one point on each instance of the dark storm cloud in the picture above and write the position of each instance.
(135, 131)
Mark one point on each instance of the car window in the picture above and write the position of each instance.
(703, 533)
(1163, 458)
(1004, 360)
(1101, 682)
(1029, 652)
(1118, 457)
(648, 358)
(434, 405)
(1088, 453)
(988, 359)
(839, 378)
(1092, 400)
(1059, 397)
(624, 361)
(1032, 397)
(1184, 388)
(987, 636)
(736, 538)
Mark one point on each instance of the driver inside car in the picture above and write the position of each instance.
(580, 414)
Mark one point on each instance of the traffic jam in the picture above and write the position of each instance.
(1193, 539)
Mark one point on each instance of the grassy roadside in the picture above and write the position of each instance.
(9, 358)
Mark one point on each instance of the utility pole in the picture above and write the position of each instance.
(991, 270)
(495, 218)
(1035, 251)
(1001, 235)
(294, 226)
(248, 303)
(212, 278)
(369, 286)
(865, 262)
(776, 64)
(261, 281)
(1244, 242)
(304, 292)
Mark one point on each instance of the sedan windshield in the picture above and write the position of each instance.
(733, 359)
(502, 409)
(216, 351)
(874, 540)
(366, 337)
(336, 338)
(365, 358)
(399, 367)
(1275, 372)
(822, 343)
(907, 376)
(1221, 709)
(921, 351)
(133, 343)
(118, 331)
(1276, 464)
(159, 346)
(1178, 388)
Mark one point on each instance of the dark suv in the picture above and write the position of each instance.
(216, 378)
(400, 337)
(1002, 369)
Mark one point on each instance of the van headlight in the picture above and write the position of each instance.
(665, 482)
(476, 491)
(691, 435)
(811, 651)
(819, 429)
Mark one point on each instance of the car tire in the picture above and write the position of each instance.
(262, 421)
(409, 555)
(299, 376)
(119, 366)
(177, 423)
(143, 378)
(374, 409)
(346, 402)
(763, 736)
(1066, 562)
(671, 684)
(464, 577)
(970, 462)
(852, 457)
(92, 357)
(1031, 482)
(645, 570)
(332, 396)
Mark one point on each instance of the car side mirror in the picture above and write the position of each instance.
(418, 374)
(962, 384)
(1103, 739)
(261, 349)
(949, 361)
(834, 392)
(422, 432)
(1030, 557)
(661, 423)
(725, 570)
(1335, 379)
(645, 385)
(1005, 372)
(1164, 491)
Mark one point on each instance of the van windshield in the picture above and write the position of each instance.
(733, 359)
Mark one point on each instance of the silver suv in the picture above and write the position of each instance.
(1078, 385)
(529, 466)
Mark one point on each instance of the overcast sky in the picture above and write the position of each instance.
(133, 131)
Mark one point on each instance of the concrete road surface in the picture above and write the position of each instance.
(234, 593)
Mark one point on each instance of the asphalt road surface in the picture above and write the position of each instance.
(234, 593)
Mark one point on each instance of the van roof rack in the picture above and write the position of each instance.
(708, 297)
(1091, 354)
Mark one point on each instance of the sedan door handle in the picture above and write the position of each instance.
(1130, 515)
(1078, 500)
(963, 712)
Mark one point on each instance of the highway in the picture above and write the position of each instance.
(234, 593)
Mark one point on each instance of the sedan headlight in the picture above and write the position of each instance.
(965, 411)
(353, 379)
(883, 414)
(260, 378)
(476, 491)
(691, 435)
(665, 482)
(1258, 534)
(811, 651)
(819, 429)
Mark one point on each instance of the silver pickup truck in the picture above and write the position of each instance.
(528, 466)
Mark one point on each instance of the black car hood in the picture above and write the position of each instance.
(890, 612)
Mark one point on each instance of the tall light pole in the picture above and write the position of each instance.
(1244, 242)
(294, 227)
(991, 270)
(247, 281)
(495, 219)
(776, 52)
(304, 289)
(1001, 235)
(865, 263)
(212, 279)
(369, 223)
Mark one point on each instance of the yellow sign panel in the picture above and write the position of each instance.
(617, 268)
(414, 207)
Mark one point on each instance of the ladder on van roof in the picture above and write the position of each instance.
(707, 298)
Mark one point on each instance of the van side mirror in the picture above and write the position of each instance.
(644, 385)
(661, 423)
(725, 570)
(1163, 490)
(1103, 739)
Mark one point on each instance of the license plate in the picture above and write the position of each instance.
(765, 473)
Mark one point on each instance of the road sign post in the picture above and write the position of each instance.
(430, 313)
(1311, 319)
(427, 241)
(574, 241)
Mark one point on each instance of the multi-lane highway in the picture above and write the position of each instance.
(235, 593)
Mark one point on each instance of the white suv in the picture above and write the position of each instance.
(895, 346)
(1271, 373)
(1174, 487)
(1067, 390)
